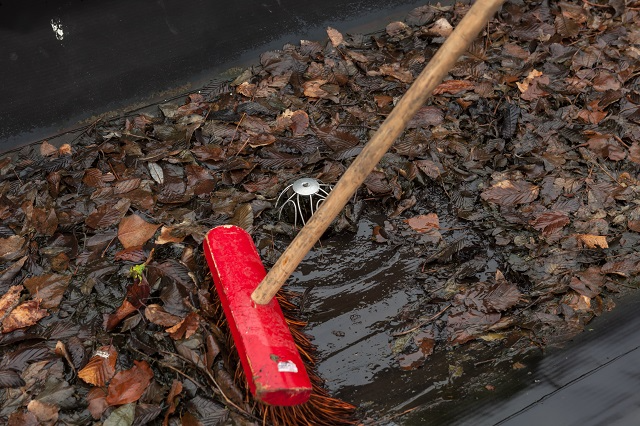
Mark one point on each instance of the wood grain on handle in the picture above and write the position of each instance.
(441, 63)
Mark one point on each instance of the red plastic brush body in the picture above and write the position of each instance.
(270, 359)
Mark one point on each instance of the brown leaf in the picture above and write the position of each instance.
(24, 315)
(107, 214)
(588, 283)
(424, 223)
(129, 385)
(101, 367)
(382, 100)
(453, 87)
(604, 81)
(549, 222)
(530, 85)
(626, 266)
(135, 231)
(425, 117)
(132, 254)
(592, 116)
(395, 71)
(169, 235)
(299, 122)
(199, 179)
(11, 247)
(44, 221)
(209, 152)
(172, 400)
(46, 413)
(508, 193)
(335, 36)
(317, 89)
(634, 152)
(50, 288)
(97, 399)
(124, 186)
(157, 315)
(93, 178)
(123, 311)
(10, 300)
(185, 328)
(23, 418)
(502, 295)
(593, 241)
(46, 149)
(243, 217)
(429, 168)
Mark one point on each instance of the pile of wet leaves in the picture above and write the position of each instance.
(533, 138)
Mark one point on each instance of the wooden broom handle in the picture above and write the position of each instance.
(441, 63)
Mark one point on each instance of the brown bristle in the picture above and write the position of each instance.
(321, 409)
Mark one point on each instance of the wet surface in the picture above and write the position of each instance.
(362, 293)
(63, 62)
(356, 289)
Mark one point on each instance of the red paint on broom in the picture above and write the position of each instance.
(275, 372)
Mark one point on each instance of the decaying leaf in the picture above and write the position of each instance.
(11, 247)
(172, 400)
(157, 315)
(185, 328)
(508, 193)
(10, 300)
(45, 413)
(24, 315)
(97, 399)
(129, 385)
(334, 35)
(453, 87)
(135, 231)
(550, 222)
(593, 241)
(101, 367)
(424, 223)
(49, 288)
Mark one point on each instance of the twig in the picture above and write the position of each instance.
(201, 386)
(422, 323)
(213, 380)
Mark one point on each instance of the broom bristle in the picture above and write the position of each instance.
(321, 409)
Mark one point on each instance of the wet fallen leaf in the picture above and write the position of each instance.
(299, 122)
(101, 367)
(395, 71)
(185, 328)
(508, 193)
(453, 87)
(169, 235)
(121, 416)
(425, 117)
(11, 247)
(593, 241)
(157, 315)
(135, 231)
(44, 412)
(502, 295)
(24, 315)
(97, 399)
(129, 385)
(49, 288)
(108, 214)
(10, 300)
(172, 400)
(550, 222)
(335, 36)
(424, 223)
